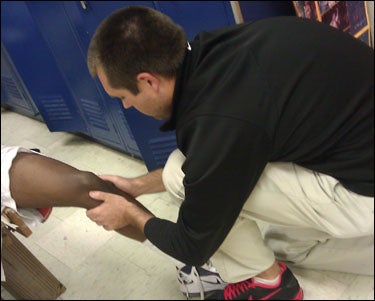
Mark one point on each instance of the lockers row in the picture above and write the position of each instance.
(44, 73)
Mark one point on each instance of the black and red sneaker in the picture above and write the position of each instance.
(286, 289)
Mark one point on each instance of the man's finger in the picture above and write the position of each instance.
(108, 228)
(102, 196)
(107, 177)
(106, 198)
(91, 214)
(97, 195)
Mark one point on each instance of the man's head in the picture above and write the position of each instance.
(133, 41)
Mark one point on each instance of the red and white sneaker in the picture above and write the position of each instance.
(45, 213)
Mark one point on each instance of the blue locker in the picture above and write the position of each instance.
(37, 69)
(13, 92)
(137, 131)
(60, 33)
(196, 16)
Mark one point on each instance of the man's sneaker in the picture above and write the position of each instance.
(286, 289)
(199, 281)
(45, 213)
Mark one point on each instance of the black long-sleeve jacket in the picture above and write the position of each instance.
(279, 89)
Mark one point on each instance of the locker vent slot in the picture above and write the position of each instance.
(10, 87)
(55, 108)
(94, 114)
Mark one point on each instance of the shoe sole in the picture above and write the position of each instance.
(299, 295)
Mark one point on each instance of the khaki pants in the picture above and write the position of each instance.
(295, 215)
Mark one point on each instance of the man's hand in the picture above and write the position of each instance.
(117, 212)
(111, 213)
(122, 183)
(151, 182)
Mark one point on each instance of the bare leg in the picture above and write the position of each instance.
(37, 181)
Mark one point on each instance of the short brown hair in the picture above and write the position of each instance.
(136, 39)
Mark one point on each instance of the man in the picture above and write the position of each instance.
(274, 126)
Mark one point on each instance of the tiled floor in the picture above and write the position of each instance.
(95, 264)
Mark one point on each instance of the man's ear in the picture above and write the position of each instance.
(148, 80)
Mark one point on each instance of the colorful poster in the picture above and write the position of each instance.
(348, 16)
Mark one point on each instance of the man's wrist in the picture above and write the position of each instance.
(149, 183)
(139, 216)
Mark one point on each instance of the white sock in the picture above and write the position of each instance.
(271, 282)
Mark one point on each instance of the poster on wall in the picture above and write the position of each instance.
(348, 16)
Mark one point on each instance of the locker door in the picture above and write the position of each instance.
(61, 35)
(86, 17)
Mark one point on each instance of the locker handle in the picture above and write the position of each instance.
(83, 4)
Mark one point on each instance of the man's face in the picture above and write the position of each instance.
(148, 101)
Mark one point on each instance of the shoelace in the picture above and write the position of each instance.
(234, 289)
(194, 276)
